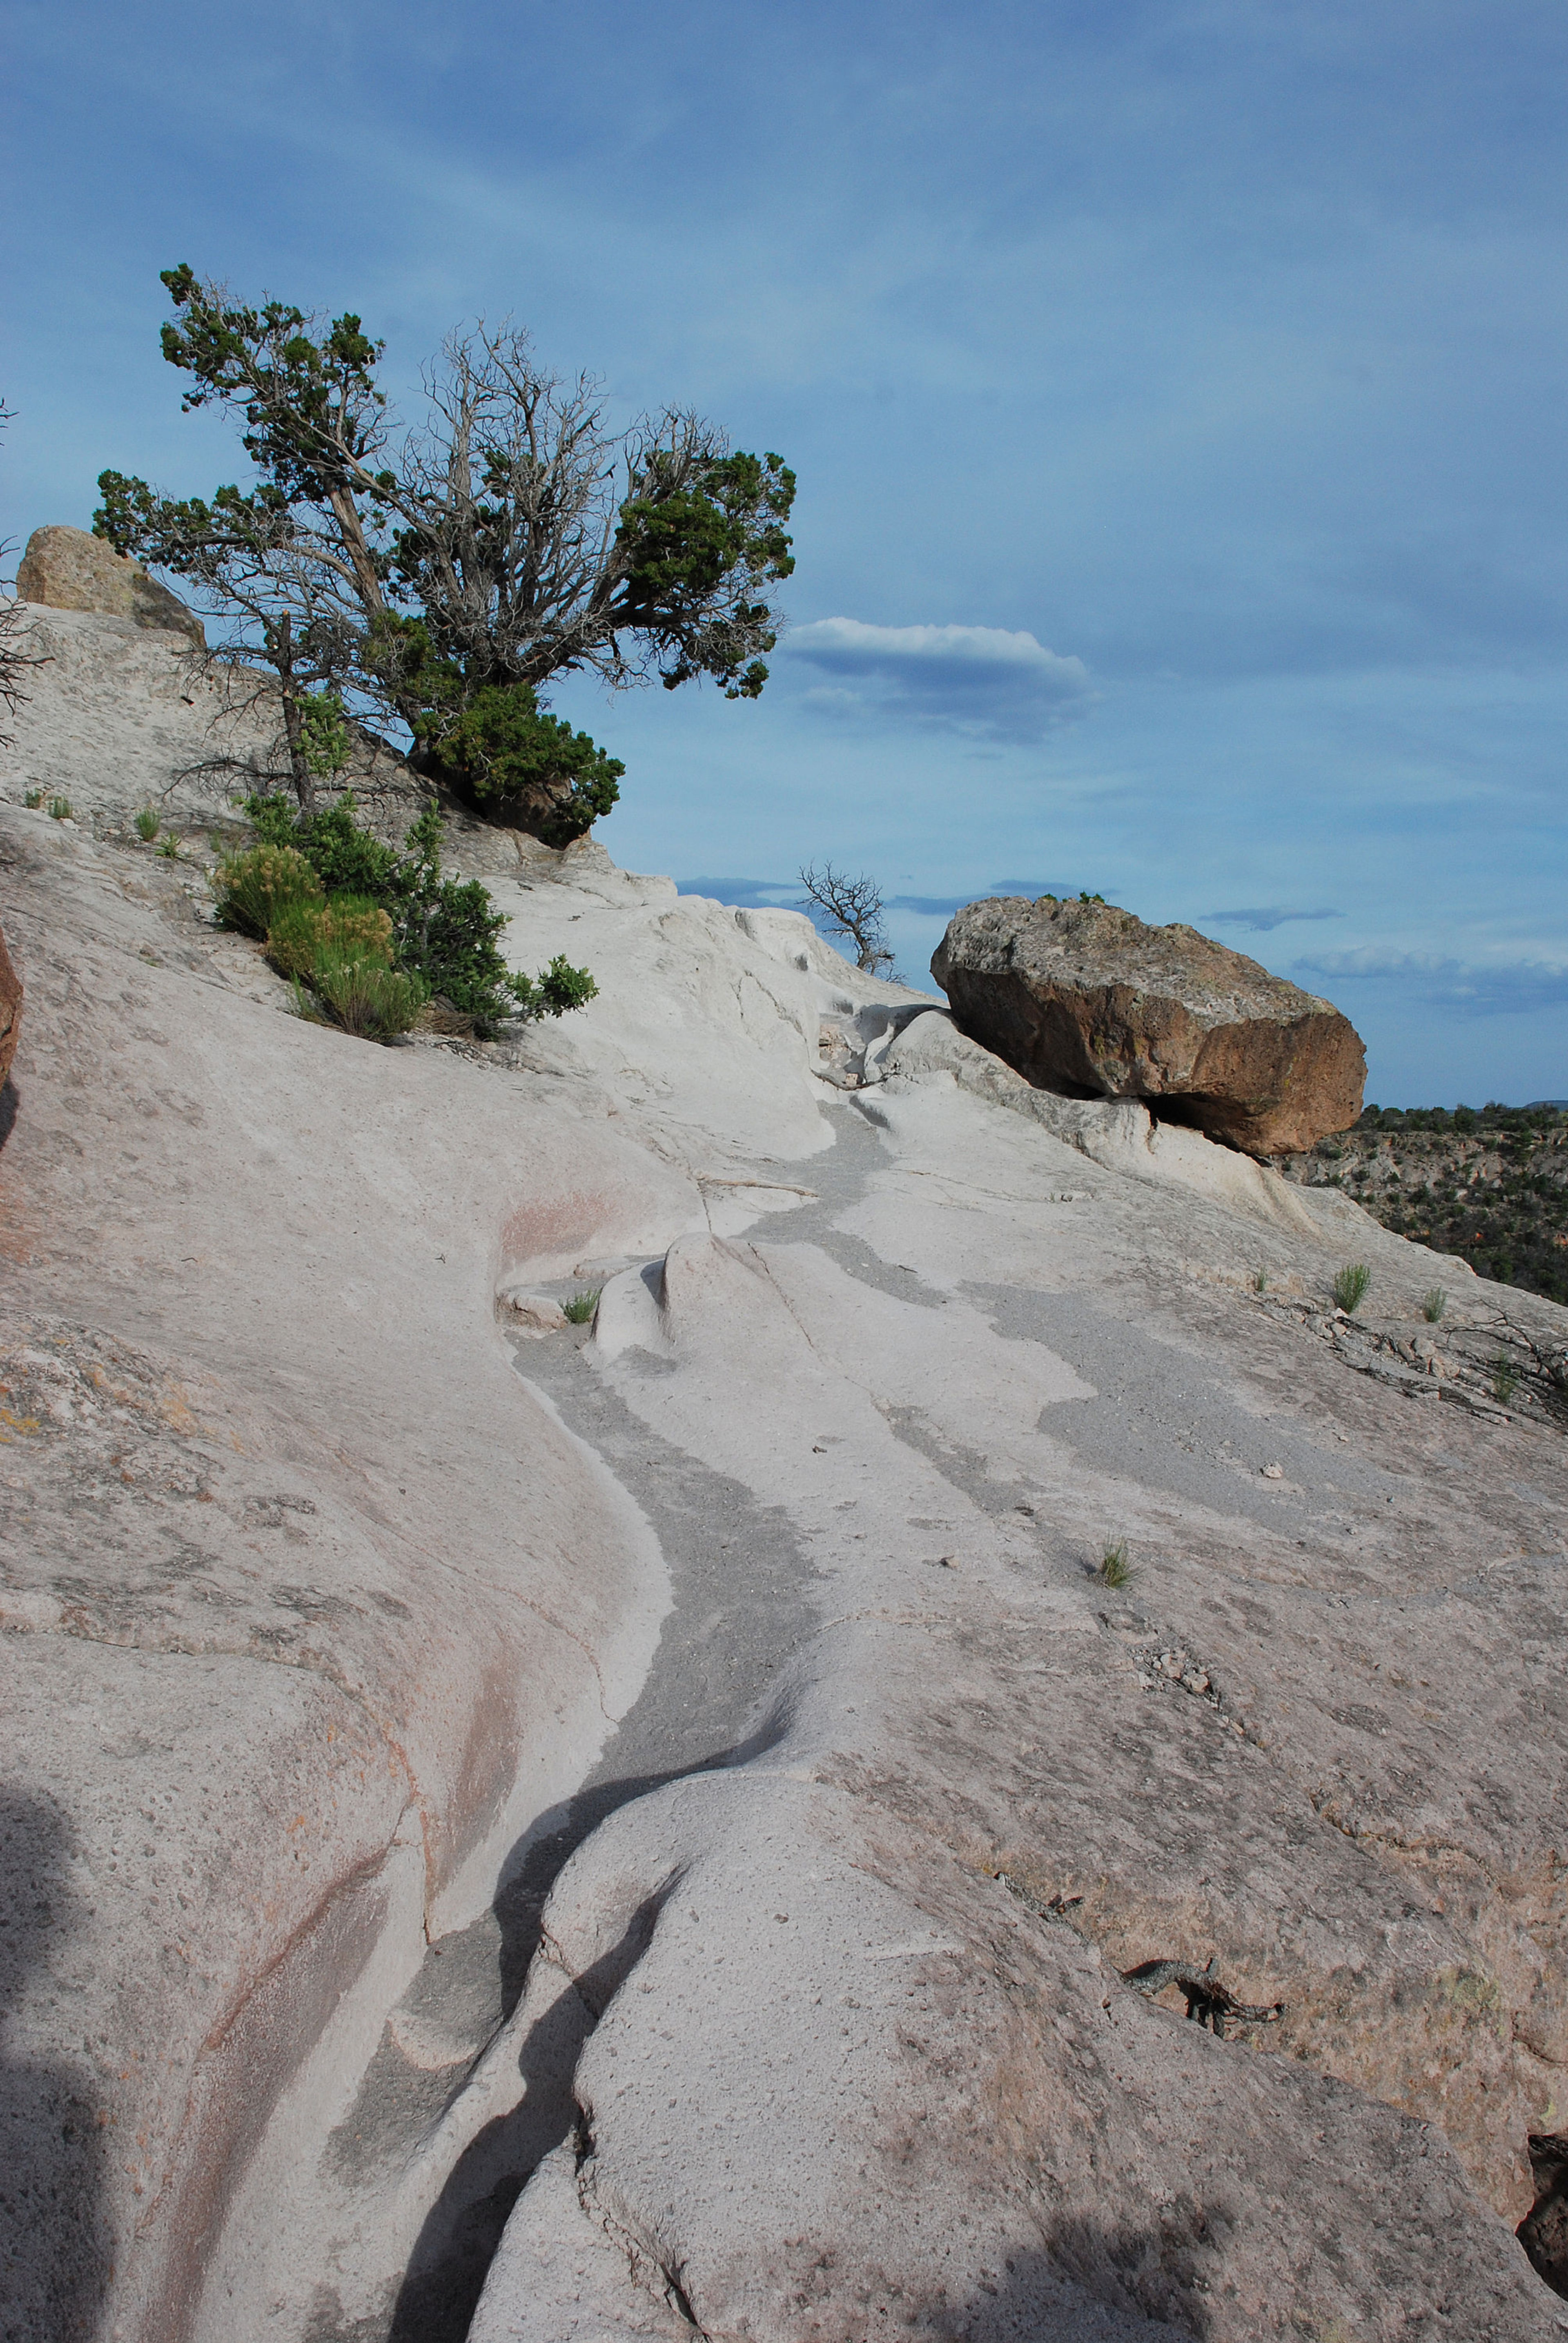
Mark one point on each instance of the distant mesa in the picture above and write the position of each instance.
(67, 569)
(1084, 998)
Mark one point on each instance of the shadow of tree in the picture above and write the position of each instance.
(55, 2262)
(533, 1872)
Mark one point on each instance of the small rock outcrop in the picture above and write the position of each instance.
(10, 1011)
(67, 569)
(1082, 997)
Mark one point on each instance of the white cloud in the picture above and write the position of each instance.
(983, 680)
(1485, 989)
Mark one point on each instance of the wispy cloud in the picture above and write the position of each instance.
(929, 906)
(1261, 917)
(749, 894)
(985, 680)
(1488, 989)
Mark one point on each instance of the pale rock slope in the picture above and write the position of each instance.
(639, 1830)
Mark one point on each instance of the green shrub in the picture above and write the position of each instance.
(492, 743)
(32, 799)
(448, 931)
(366, 997)
(581, 1307)
(60, 810)
(444, 931)
(1433, 1305)
(324, 734)
(556, 990)
(169, 848)
(1350, 1285)
(146, 824)
(1504, 1378)
(254, 887)
(349, 927)
(1115, 1570)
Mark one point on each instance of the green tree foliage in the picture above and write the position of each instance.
(501, 748)
(440, 576)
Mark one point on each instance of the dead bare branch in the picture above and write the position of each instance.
(854, 909)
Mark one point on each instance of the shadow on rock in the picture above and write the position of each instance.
(447, 2271)
(1108, 2283)
(56, 2268)
(448, 2268)
(9, 1105)
(532, 1874)
(1544, 2231)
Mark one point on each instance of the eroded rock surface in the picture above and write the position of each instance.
(1086, 998)
(68, 569)
(646, 1827)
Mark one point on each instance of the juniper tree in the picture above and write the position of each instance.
(442, 574)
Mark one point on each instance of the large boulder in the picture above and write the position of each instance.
(1084, 998)
(66, 569)
(10, 1011)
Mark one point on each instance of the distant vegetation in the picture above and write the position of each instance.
(1489, 1183)
(439, 576)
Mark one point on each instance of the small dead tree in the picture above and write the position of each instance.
(13, 660)
(853, 909)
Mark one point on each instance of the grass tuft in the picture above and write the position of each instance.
(581, 1307)
(60, 810)
(366, 997)
(350, 927)
(1504, 1379)
(32, 799)
(146, 824)
(1115, 1570)
(253, 889)
(1350, 1286)
(1433, 1305)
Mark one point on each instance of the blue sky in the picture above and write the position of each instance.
(1176, 393)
